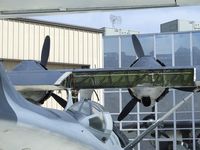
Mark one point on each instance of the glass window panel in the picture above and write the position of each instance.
(111, 52)
(180, 95)
(130, 125)
(167, 125)
(147, 42)
(145, 109)
(112, 89)
(148, 145)
(166, 103)
(183, 124)
(170, 118)
(197, 101)
(182, 49)
(165, 145)
(197, 117)
(164, 48)
(149, 136)
(184, 116)
(111, 101)
(128, 55)
(196, 48)
(131, 134)
(149, 115)
(184, 135)
(125, 99)
(130, 117)
(114, 117)
(197, 141)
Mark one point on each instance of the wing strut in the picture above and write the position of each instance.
(158, 122)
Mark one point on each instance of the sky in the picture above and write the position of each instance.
(142, 20)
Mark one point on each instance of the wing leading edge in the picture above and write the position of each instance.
(169, 77)
(12, 8)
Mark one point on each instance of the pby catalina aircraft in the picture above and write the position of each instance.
(136, 79)
(83, 125)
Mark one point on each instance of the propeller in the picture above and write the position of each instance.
(59, 100)
(127, 109)
(44, 60)
(132, 103)
(138, 47)
(45, 51)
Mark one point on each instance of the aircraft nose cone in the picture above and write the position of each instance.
(146, 101)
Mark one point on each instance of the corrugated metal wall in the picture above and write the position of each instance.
(23, 40)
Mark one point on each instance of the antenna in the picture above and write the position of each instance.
(115, 20)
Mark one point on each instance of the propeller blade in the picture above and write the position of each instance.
(45, 51)
(131, 93)
(60, 100)
(138, 48)
(127, 109)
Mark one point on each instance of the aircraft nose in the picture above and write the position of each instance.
(146, 101)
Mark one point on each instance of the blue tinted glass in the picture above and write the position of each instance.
(147, 42)
(196, 48)
(164, 49)
(111, 52)
(182, 49)
(111, 101)
(127, 51)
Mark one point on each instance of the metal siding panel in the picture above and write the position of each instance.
(36, 42)
(56, 46)
(21, 41)
(94, 50)
(90, 52)
(5, 39)
(66, 46)
(1, 38)
(80, 47)
(16, 40)
(85, 49)
(46, 30)
(32, 43)
(75, 42)
(52, 47)
(10, 40)
(26, 40)
(61, 43)
(71, 46)
(41, 41)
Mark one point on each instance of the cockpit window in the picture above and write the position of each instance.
(96, 123)
(85, 109)
(92, 115)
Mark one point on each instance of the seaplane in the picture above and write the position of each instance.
(83, 124)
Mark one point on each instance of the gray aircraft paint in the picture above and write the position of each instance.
(58, 122)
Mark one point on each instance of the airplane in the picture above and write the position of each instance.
(11, 8)
(36, 84)
(138, 84)
(83, 125)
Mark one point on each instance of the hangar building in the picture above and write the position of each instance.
(71, 46)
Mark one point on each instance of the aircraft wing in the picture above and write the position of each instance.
(127, 78)
(169, 77)
(38, 80)
(13, 8)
